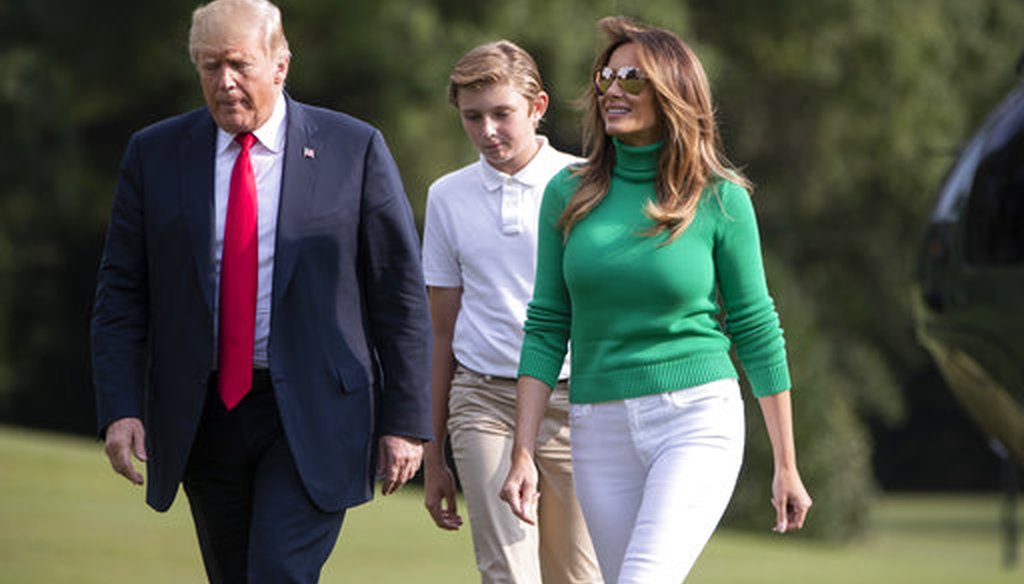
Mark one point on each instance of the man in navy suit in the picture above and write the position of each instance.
(337, 392)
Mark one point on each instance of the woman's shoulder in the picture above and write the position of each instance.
(564, 182)
(728, 196)
(728, 189)
(568, 176)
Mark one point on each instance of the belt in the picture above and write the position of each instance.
(260, 379)
(562, 383)
(486, 376)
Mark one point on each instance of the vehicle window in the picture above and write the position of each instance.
(995, 210)
(955, 187)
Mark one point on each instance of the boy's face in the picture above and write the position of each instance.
(502, 124)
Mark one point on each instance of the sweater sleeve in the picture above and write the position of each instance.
(750, 316)
(549, 314)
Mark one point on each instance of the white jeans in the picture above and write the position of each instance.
(654, 475)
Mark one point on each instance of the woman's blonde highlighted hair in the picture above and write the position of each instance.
(691, 156)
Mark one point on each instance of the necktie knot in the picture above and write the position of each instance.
(246, 140)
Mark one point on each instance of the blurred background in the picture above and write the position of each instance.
(845, 113)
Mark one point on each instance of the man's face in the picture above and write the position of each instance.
(240, 80)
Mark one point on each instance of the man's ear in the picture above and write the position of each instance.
(282, 71)
(538, 107)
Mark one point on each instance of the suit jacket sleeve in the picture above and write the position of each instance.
(120, 315)
(395, 297)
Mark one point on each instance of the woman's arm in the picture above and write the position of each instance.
(543, 351)
(789, 497)
(520, 488)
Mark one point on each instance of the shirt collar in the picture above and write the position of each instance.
(531, 175)
(270, 135)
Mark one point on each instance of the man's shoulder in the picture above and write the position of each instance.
(333, 120)
(173, 126)
(564, 158)
(551, 161)
(466, 179)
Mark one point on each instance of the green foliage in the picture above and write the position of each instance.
(833, 446)
(845, 113)
(392, 68)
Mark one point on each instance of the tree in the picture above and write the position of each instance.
(845, 114)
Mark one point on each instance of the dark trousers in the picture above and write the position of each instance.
(254, 521)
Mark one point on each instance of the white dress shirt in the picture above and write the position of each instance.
(267, 157)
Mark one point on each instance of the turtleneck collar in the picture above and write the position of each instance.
(636, 163)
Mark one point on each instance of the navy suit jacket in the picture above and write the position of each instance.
(349, 347)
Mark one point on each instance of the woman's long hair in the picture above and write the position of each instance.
(691, 155)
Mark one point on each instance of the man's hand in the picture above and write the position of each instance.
(398, 462)
(124, 438)
(439, 495)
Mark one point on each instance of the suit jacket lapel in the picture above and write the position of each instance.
(297, 182)
(197, 160)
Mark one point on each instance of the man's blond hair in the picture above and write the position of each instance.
(212, 20)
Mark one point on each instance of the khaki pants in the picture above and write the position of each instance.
(481, 424)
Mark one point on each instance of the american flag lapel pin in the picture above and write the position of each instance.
(308, 152)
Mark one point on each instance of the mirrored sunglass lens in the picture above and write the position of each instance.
(604, 80)
(630, 80)
(633, 86)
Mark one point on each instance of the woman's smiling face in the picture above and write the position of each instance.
(633, 119)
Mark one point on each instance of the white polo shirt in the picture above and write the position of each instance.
(480, 234)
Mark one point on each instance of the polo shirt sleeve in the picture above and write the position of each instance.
(440, 252)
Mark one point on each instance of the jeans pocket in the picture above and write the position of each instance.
(677, 399)
(580, 412)
(722, 391)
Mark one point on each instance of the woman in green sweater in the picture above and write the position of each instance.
(640, 249)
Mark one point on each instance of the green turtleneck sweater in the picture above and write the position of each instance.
(642, 316)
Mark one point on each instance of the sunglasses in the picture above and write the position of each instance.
(631, 80)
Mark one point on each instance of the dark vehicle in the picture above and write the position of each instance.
(969, 295)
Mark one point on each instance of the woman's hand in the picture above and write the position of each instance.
(790, 499)
(520, 488)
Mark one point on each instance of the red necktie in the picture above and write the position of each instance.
(238, 281)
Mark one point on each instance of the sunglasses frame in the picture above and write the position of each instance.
(631, 79)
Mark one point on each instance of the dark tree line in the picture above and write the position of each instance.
(845, 114)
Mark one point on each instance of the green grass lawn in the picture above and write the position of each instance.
(66, 518)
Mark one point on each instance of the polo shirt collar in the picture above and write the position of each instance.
(531, 175)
